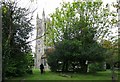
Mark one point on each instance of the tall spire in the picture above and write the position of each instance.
(37, 16)
(43, 14)
(37, 21)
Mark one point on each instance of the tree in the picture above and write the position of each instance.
(76, 16)
(112, 50)
(16, 28)
(72, 53)
(84, 22)
(112, 54)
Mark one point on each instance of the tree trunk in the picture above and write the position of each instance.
(63, 67)
(73, 67)
(84, 67)
(66, 66)
(113, 73)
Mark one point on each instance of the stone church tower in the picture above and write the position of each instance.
(40, 47)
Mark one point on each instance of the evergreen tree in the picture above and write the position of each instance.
(16, 28)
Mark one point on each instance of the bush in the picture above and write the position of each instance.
(101, 66)
(29, 70)
(93, 67)
(52, 62)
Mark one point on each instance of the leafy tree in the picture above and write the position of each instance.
(112, 57)
(112, 50)
(16, 28)
(84, 22)
(72, 18)
(72, 53)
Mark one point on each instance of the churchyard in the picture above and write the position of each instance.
(77, 41)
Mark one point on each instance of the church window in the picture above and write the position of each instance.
(38, 42)
(39, 50)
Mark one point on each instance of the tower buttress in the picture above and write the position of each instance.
(37, 22)
(43, 28)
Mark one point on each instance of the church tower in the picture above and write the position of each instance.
(40, 27)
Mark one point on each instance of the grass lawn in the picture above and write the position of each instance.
(104, 75)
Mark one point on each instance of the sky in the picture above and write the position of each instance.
(48, 6)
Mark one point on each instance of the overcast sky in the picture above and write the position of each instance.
(48, 6)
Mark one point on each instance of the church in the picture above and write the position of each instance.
(40, 56)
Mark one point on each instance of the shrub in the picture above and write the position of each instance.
(52, 62)
(93, 67)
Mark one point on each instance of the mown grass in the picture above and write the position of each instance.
(48, 75)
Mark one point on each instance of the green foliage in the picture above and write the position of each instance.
(53, 62)
(16, 27)
(102, 66)
(64, 51)
(74, 30)
(112, 54)
(71, 53)
(73, 18)
(29, 63)
(93, 68)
